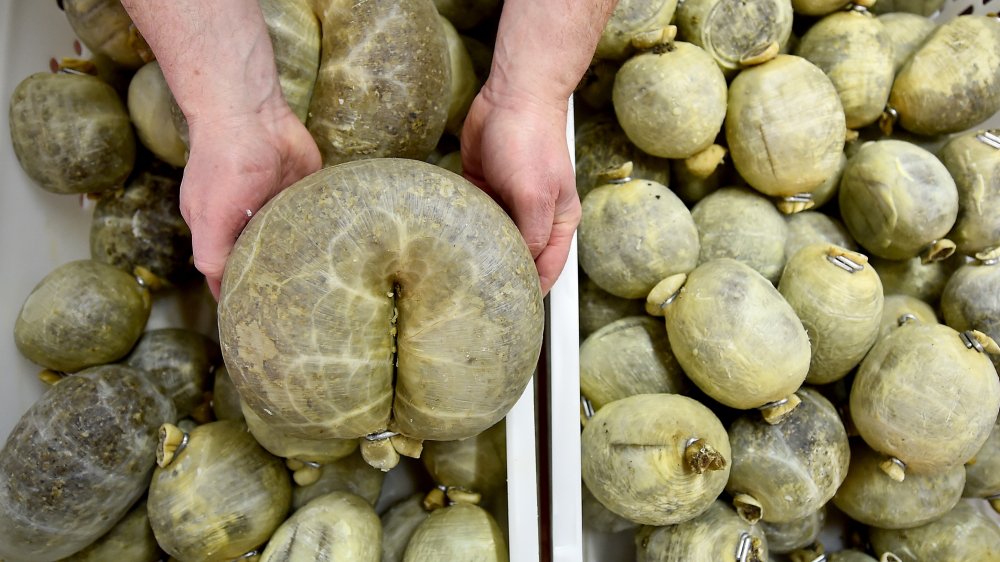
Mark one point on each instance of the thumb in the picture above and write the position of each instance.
(533, 211)
(213, 234)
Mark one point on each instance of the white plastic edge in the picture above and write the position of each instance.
(563, 345)
(522, 479)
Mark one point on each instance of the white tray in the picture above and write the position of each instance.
(569, 541)
(40, 231)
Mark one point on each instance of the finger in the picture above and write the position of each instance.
(214, 285)
(551, 261)
(213, 233)
(533, 211)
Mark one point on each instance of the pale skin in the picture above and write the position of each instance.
(247, 145)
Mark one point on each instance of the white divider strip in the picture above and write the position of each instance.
(522, 475)
(562, 342)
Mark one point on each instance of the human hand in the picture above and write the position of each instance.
(237, 164)
(514, 148)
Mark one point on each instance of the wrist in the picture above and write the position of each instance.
(544, 47)
(188, 37)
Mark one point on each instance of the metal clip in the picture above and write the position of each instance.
(312, 464)
(891, 111)
(618, 181)
(743, 547)
(855, 8)
(378, 436)
(798, 198)
(897, 462)
(183, 444)
(989, 138)
(670, 299)
(588, 407)
(774, 404)
(971, 342)
(990, 261)
(248, 555)
(820, 558)
(905, 318)
(65, 70)
(845, 263)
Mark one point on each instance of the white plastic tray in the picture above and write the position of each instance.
(569, 541)
(40, 231)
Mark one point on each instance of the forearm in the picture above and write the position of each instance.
(216, 56)
(545, 46)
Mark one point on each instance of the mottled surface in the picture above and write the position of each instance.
(349, 474)
(964, 533)
(713, 536)
(812, 227)
(463, 84)
(629, 18)
(77, 461)
(793, 467)
(459, 533)
(104, 27)
(81, 314)
(626, 357)
(855, 51)
(150, 108)
(741, 224)
(840, 310)
(220, 497)
(71, 133)
(336, 526)
(971, 301)
(225, 398)
(279, 443)
(383, 82)
(692, 187)
(398, 525)
(910, 277)
(295, 36)
(634, 235)
(869, 496)
(131, 540)
(800, 533)
(736, 337)
(906, 32)
(897, 306)
(671, 101)
(332, 267)
(896, 198)
(634, 462)
(922, 7)
(975, 166)
(601, 143)
(952, 82)
(601, 519)
(785, 126)
(180, 361)
(921, 396)
(729, 30)
(477, 463)
(599, 308)
(982, 475)
(142, 226)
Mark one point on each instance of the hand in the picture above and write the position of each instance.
(236, 165)
(514, 148)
